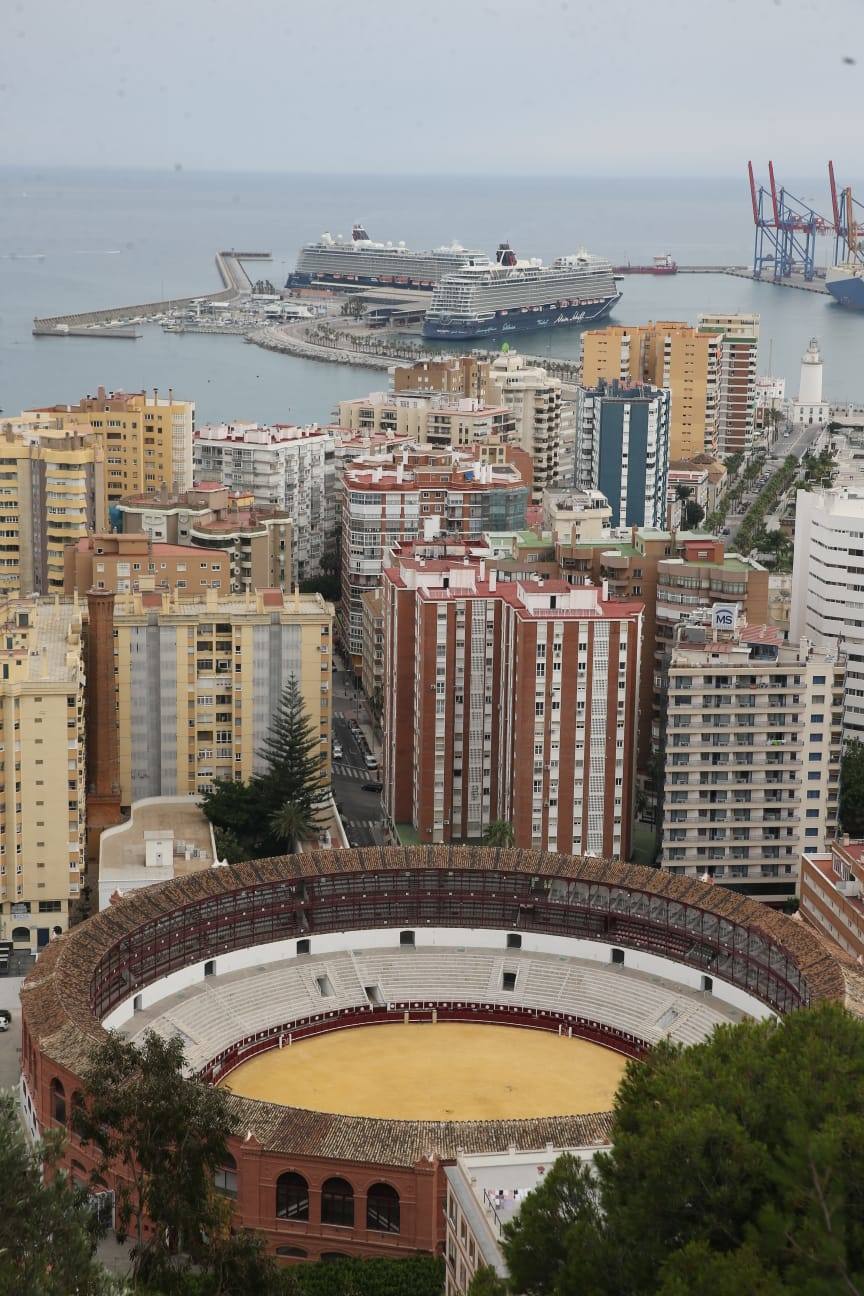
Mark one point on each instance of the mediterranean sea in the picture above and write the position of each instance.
(73, 240)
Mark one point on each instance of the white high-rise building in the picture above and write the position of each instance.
(291, 468)
(535, 399)
(828, 584)
(810, 407)
(752, 756)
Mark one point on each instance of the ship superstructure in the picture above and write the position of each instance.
(362, 261)
(512, 295)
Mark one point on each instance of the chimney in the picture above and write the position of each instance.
(482, 570)
(493, 581)
(604, 591)
(102, 742)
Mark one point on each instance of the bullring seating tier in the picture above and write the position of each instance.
(215, 1013)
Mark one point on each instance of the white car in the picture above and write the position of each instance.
(370, 762)
(337, 751)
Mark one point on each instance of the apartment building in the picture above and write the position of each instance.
(134, 563)
(415, 492)
(574, 515)
(52, 490)
(828, 585)
(441, 419)
(257, 543)
(622, 449)
(147, 438)
(373, 646)
(42, 791)
(736, 411)
(197, 681)
(533, 395)
(752, 756)
(683, 359)
(509, 700)
(283, 467)
(674, 574)
(830, 886)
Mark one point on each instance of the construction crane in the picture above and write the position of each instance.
(786, 230)
(848, 223)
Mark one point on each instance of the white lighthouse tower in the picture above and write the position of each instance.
(810, 407)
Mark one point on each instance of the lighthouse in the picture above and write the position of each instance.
(810, 407)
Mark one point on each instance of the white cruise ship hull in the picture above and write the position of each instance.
(517, 319)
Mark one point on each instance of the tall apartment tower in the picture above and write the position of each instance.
(281, 467)
(828, 585)
(509, 700)
(677, 356)
(737, 408)
(535, 399)
(42, 798)
(622, 449)
(52, 490)
(415, 492)
(197, 682)
(752, 759)
(147, 438)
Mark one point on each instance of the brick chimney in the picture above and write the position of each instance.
(103, 764)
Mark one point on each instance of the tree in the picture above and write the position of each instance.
(487, 1283)
(47, 1235)
(418, 1275)
(736, 1166)
(852, 788)
(238, 812)
(499, 833)
(294, 765)
(290, 824)
(166, 1134)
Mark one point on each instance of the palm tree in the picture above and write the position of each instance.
(499, 833)
(290, 823)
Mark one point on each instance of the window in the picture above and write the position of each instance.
(707, 984)
(514, 940)
(508, 981)
(210, 967)
(21, 934)
(329, 1256)
(58, 1101)
(617, 956)
(292, 1197)
(225, 1178)
(406, 938)
(296, 1253)
(337, 1203)
(382, 1208)
(304, 946)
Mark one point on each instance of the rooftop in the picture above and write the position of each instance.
(254, 603)
(122, 849)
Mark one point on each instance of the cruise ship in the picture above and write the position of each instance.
(360, 261)
(845, 283)
(514, 296)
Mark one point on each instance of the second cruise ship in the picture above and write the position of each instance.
(335, 260)
(510, 296)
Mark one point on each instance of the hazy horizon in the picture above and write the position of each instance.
(596, 88)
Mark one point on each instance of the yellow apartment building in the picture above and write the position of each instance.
(42, 773)
(52, 491)
(147, 437)
(198, 682)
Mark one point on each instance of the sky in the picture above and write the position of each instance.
(591, 87)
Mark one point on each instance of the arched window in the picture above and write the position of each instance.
(76, 1107)
(79, 1175)
(58, 1101)
(292, 1197)
(296, 1253)
(382, 1208)
(20, 934)
(337, 1203)
(225, 1178)
(329, 1256)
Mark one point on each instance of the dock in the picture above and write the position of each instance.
(104, 323)
(745, 272)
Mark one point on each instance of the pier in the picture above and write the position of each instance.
(229, 265)
(745, 272)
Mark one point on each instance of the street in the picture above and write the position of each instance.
(798, 443)
(361, 812)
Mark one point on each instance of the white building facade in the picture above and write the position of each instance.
(291, 468)
(810, 407)
(535, 399)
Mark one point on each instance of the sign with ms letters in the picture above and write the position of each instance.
(724, 616)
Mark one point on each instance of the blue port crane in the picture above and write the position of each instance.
(786, 230)
(848, 223)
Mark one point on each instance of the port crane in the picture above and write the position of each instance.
(848, 223)
(786, 230)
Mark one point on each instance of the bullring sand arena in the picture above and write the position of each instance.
(446, 1071)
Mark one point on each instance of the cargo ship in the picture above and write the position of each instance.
(361, 261)
(845, 283)
(661, 265)
(517, 296)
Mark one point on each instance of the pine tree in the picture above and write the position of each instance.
(294, 766)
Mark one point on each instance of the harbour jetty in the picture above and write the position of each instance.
(97, 323)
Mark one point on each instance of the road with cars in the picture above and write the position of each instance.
(356, 782)
(796, 441)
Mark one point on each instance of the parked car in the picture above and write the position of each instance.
(371, 762)
(373, 787)
(337, 751)
(5, 1019)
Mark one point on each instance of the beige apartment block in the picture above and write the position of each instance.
(198, 682)
(373, 646)
(147, 438)
(52, 490)
(134, 563)
(42, 789)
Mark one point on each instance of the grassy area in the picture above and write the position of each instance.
(408, 835)
(644, 843)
